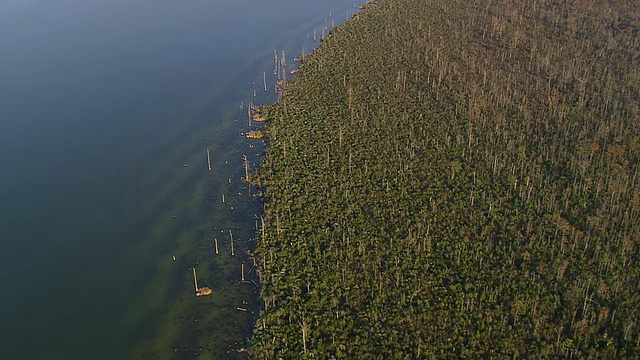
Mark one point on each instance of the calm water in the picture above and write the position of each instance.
(106, 111)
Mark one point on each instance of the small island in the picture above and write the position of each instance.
(255, 134)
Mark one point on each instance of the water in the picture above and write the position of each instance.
(102, 103)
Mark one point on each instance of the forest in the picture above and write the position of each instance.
(456, 179)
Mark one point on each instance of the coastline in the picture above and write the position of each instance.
(108, 191)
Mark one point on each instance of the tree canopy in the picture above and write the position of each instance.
(451, 178)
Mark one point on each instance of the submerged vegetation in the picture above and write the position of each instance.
(457, 179)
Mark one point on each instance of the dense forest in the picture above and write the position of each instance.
(456, 178)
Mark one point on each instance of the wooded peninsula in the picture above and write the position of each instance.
(456, 179)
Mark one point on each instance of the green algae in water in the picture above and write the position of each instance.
(212, 326)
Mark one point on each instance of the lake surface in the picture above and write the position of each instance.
(107, 109)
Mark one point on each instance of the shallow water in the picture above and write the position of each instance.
(106, 111)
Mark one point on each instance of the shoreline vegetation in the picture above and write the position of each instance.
(448, 179)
